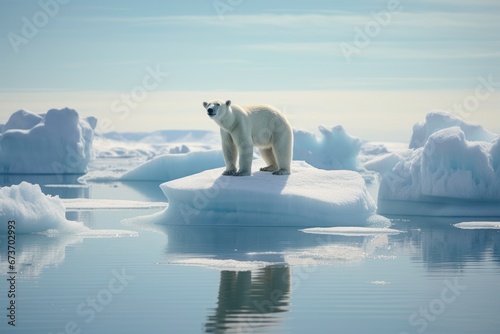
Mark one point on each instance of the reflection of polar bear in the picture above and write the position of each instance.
(242, 128)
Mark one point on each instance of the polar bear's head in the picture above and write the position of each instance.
(216, 109)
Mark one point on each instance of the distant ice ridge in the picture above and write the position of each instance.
(455, 172)
(35, 212)
(307, 197)
(438, 120)
(57, 142)
(157, 143)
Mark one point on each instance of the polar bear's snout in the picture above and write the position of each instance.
(212, 109)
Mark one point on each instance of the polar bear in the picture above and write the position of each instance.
(242, 128)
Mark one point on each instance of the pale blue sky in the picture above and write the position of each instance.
(90, 52)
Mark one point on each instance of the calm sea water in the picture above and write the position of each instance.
(432, 278)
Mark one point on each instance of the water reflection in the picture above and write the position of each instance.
(434, 241)
(225, 247)
(437, 243)
(35, 252)
(249, 300)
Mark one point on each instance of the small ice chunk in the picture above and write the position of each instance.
(478, 225)
(351, 230)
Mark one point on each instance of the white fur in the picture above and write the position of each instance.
(242, 128)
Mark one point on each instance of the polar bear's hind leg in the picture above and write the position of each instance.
(268, 156)
(282, 149)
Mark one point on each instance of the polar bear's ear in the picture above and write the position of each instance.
(205, 104)
(228, 103)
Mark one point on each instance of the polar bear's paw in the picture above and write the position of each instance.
(241, 173)
(229, 172)
(281, 172)
(268, 169)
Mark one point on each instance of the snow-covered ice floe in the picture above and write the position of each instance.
(455, 173)
(57, 142)
(76, 204)
(354, 231)
(173, 166)
(34, 212)
(307, 197)
(479, 225)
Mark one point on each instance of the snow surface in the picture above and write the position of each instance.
(35, 212)
(307, 197)
(449, 176)
(57, 142)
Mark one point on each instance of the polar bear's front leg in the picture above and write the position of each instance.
(245, 156)
(230, 152)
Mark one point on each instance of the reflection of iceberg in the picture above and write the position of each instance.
(439, 244)
(36, 252)
(249, 300)
(248, 248)
(435, 242)
(233, 248)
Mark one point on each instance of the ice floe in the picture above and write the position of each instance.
(307, 197)
(34, 212)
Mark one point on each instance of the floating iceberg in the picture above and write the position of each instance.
(34, 212)
(438, 120)
(333, 149)
(449, 176)
(307, 197)
(173, 166)
(58, 142)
